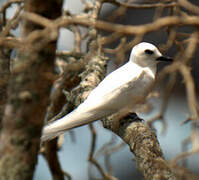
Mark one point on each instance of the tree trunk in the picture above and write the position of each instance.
(28, 96)
(4, 76)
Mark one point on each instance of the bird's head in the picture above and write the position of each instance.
(146, 55)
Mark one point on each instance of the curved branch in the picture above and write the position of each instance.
(144, 144)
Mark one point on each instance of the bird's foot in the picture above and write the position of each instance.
(134, 117)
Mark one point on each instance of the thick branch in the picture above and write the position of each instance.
(144, 144)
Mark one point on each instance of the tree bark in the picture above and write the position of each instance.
(28, 96)
(144, 144)
(4, 74)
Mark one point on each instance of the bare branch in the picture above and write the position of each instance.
(189, 6)
(141, 6)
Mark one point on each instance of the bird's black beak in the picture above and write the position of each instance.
(164, 58)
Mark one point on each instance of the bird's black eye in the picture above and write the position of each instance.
(148, 51)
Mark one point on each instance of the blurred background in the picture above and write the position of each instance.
(74, 153)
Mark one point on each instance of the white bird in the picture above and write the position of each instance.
(122, 89)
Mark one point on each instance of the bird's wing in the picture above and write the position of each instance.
(122, 76)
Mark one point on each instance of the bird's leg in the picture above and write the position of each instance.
(115, 121)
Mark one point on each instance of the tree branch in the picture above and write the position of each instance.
(144, 144)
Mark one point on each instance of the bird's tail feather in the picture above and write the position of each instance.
(84, 114)
(50, 135)
(72, 120)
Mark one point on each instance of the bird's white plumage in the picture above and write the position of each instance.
(123, 88)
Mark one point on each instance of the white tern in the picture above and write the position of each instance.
(122, 89)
